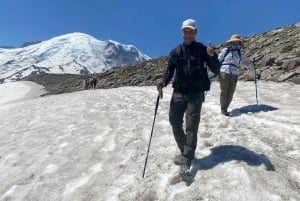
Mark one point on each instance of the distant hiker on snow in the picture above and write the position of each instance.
(94, 82)
(191, 80)
(231, 58)
(86, 83)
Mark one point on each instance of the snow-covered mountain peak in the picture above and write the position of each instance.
(74, 53)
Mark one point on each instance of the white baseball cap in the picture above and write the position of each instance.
(189, 23)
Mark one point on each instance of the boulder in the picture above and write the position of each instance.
(266, 74)
(290, 64)
(287, 76)
(248, 76)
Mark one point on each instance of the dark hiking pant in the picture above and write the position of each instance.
(190, 105)
(227, 84)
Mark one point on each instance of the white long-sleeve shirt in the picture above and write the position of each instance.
(233, 61)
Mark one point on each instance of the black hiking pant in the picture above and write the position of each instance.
(190, 106)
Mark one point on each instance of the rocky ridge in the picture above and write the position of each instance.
(276, 54)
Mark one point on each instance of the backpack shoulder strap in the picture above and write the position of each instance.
(180, 51)
(240, 54)
(226, 53)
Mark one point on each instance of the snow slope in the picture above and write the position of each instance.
(12, 92)
(91, 145)
(74, 53)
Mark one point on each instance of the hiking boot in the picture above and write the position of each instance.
(224, 112)
(182, 160)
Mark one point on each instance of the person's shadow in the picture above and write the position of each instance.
(252, 109)
(226, 153)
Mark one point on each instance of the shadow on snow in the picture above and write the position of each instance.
(227, 153)
(251, 109)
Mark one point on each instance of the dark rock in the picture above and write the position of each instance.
(267, 61)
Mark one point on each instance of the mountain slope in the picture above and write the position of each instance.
(75, 53)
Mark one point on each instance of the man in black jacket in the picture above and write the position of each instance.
(191, 80)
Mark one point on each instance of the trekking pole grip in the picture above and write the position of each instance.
(161, 94)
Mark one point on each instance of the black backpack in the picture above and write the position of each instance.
(204, 75)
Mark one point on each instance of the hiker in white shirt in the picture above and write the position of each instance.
(231, 58)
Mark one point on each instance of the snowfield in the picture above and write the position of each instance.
(91, 145)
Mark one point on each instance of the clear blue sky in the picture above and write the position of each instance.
(153, 26)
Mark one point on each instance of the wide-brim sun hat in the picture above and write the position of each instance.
(235, 38)
(189, 23)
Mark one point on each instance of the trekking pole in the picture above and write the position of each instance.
(160, 95)
(254, 69)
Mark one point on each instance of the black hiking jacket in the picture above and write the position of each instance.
(191, 74)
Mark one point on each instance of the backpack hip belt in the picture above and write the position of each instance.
(231, 64)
